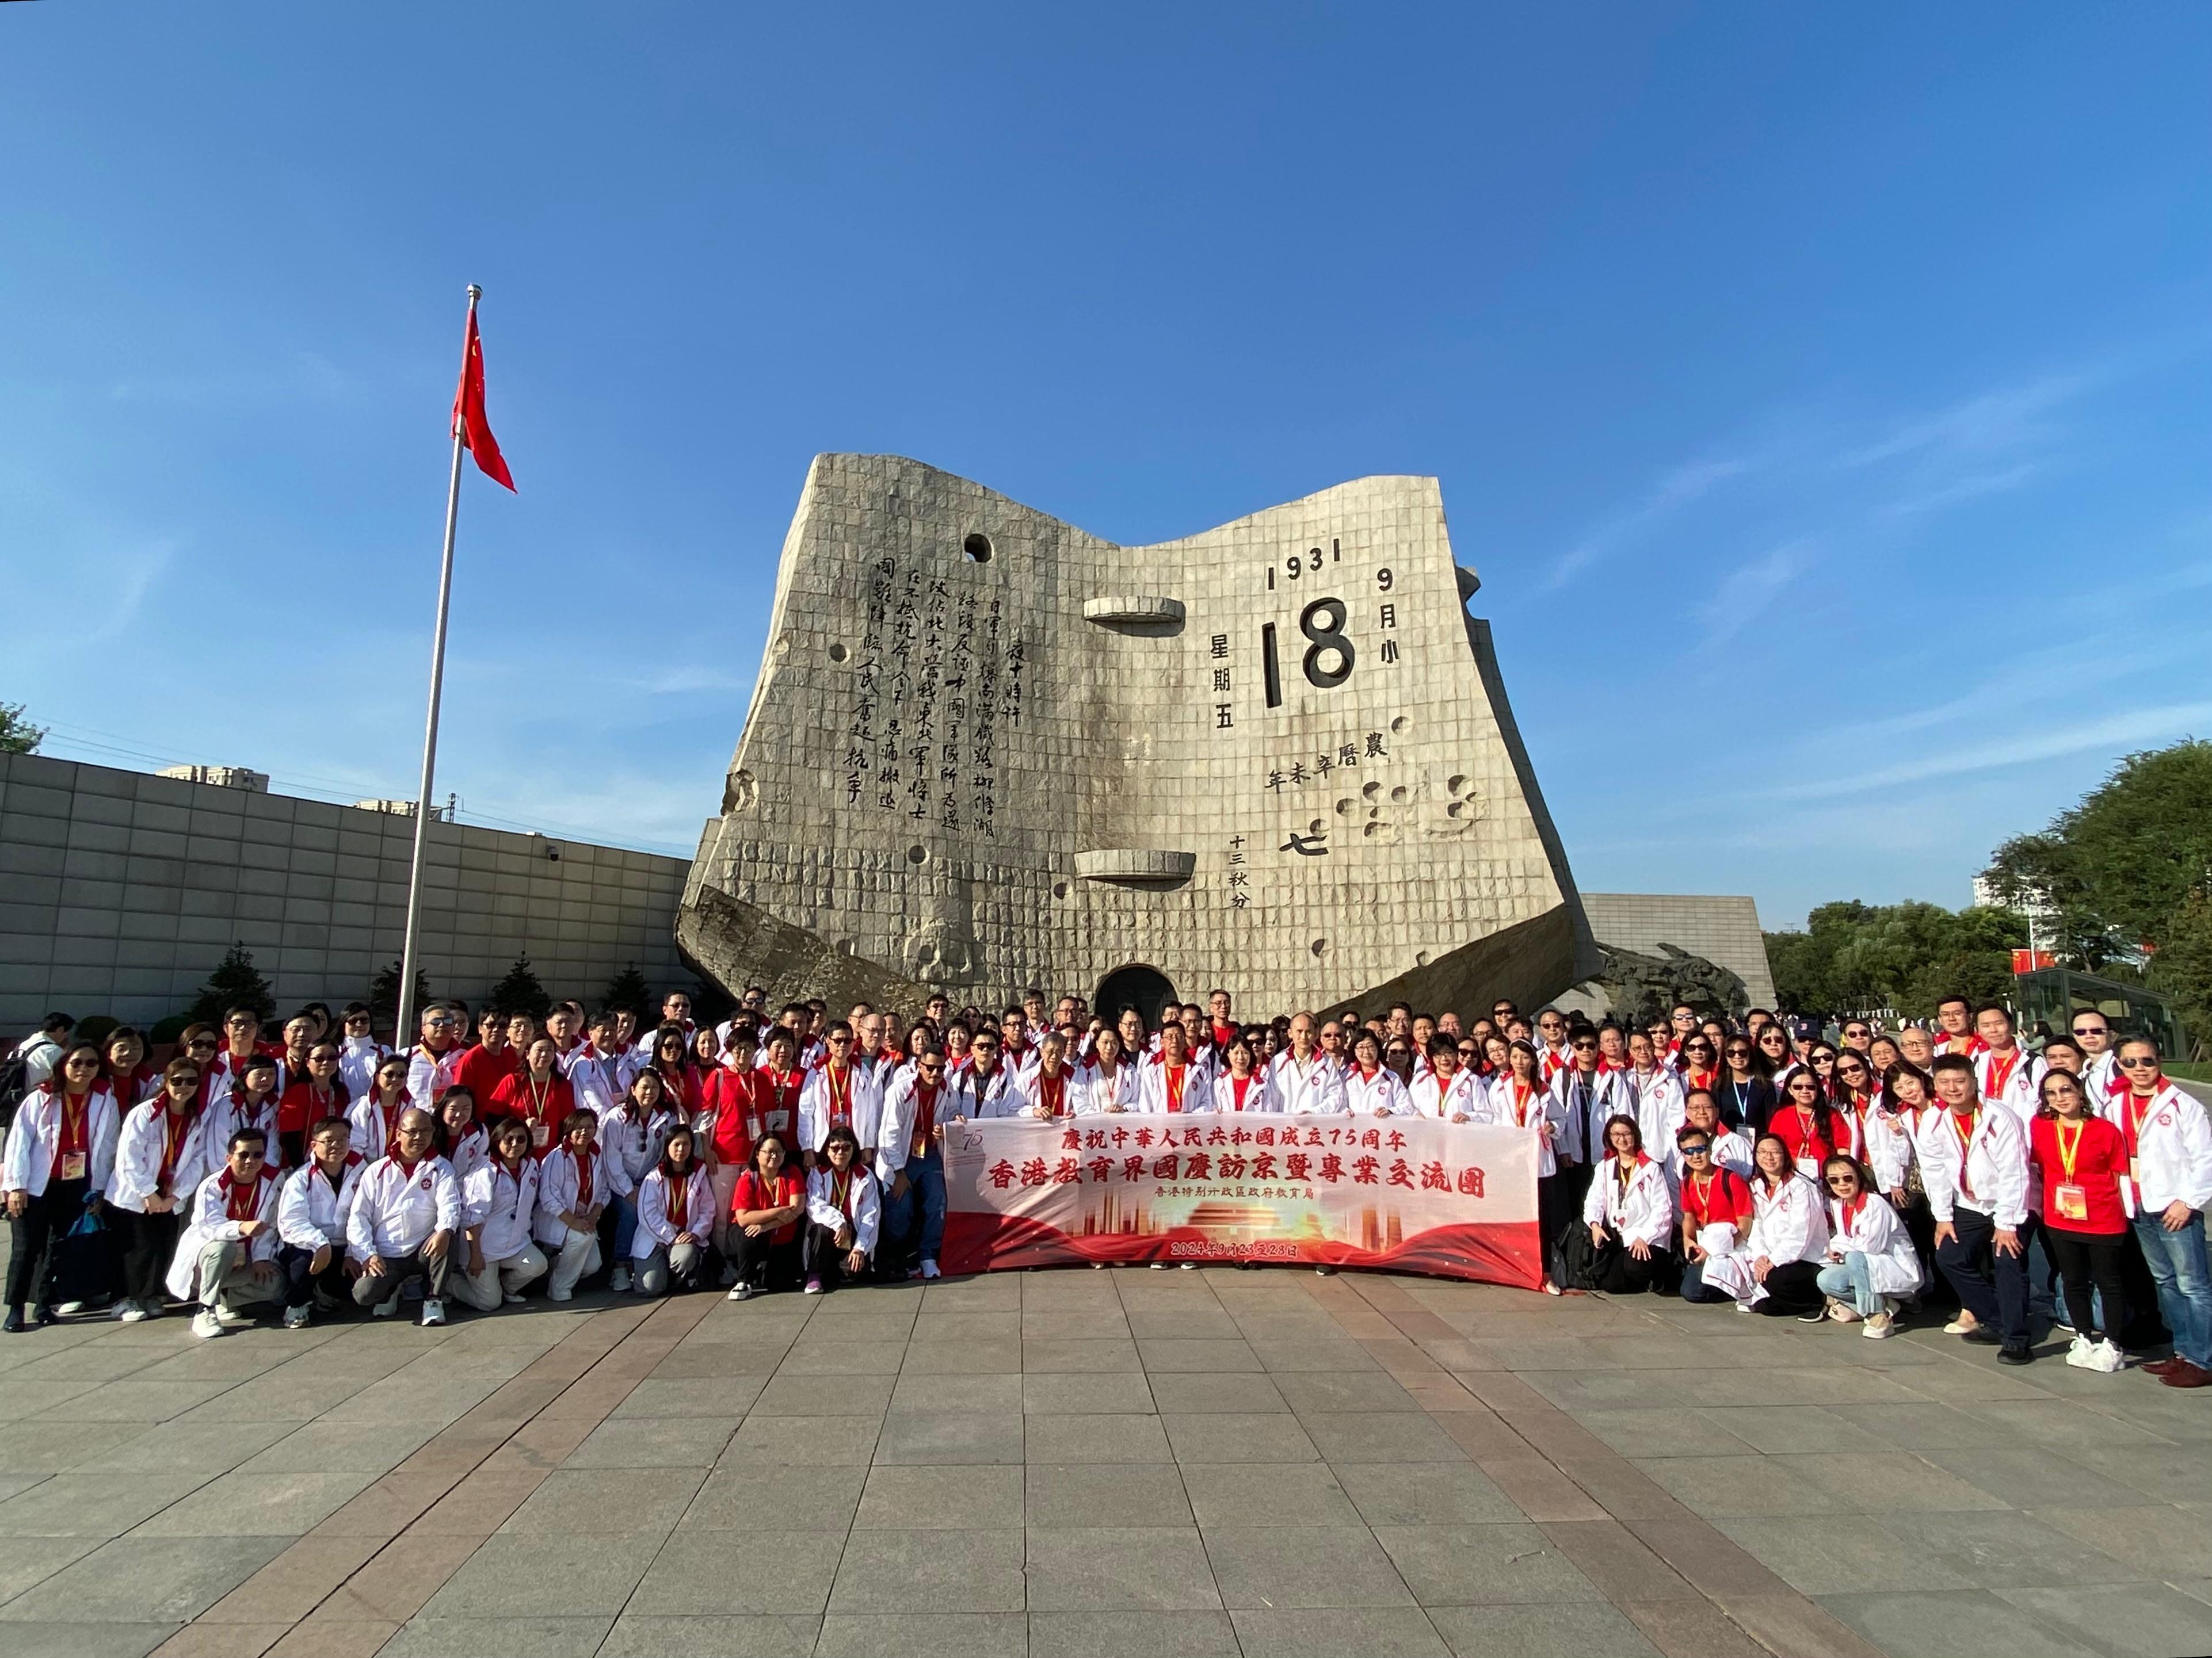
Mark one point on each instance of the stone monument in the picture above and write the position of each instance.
(989, 752)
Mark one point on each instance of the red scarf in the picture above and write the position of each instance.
(583, 1161)
(2000, 1072)
(1051, 1092)
(242, 1201)
(840, 1097)
(679, 1196)
(73, 1137)
(1173, 1075)
(925, 1112)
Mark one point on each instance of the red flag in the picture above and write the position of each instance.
(470, 422)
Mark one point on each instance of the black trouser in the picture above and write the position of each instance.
(1920, 1226)
(149, 1242)
(824, 1260)
(760, 1261)
(2089, 1261)
(1792, 1286)
(1567, 1189)
(1618, 1273)
(1993, 1287)
(300, 1283)
(34, 1235)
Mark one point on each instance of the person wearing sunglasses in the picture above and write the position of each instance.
(1858, 1035)
(359, 1052)
(2169, 1148)
(1716, 1206)
(910, 1161)
(1870, 1265)
(61, 1150)
(2081, 1158)
(2101, 1062)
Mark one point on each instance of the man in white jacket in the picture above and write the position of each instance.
(1973, 1161)
(1308, 1080)
(227, 1257)
(310, 1222)
(2170, 1155)
(404, 1215)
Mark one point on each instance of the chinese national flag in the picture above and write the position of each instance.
(470, 422)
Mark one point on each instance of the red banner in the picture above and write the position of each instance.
(1411, 1193)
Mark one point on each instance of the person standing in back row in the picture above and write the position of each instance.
(2170, 1162)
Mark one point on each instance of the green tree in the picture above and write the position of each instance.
(1907, 957)
(2180, 968)
(17, 734)
(629, 990)
(520, 992)
(2119, 867)
(235, 982)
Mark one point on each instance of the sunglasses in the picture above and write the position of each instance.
(1739, 1052)
(1842, 1179)
(2131, 1065)
(1697, 1151)
(2093, 1030)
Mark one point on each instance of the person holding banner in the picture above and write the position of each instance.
(1518, 1099)
(1308, 1081)
(910, 1160)
(1630, 1212)
(843, 1211)
(1242, 1088)
(1171, 1081)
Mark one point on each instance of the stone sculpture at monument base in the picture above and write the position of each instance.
(989, 752)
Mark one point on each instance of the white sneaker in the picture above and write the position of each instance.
(512, 1299)
(560, 1295)
(742, 1292)
(1960, 1325)
(206, 1325)
(68, 1307)
(233, 1318)
(1158, 1266)
(295, 1318)
(385, 1308)
(1880, 1327)
(117, 1311)
(434, 1310)
(1842, 1312)
(137, 1313)
(620, 1281)
(929, 1269)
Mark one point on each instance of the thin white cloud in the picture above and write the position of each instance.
(1748, 589)
(1676, 490)
(1993, 422)
(1972, 487)
(2116, 733)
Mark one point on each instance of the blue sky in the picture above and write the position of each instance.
(1823, 396)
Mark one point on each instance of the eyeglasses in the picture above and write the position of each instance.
(1739, 1052)
(2143, 1063)
(201, 1042)
(1585, 1047)
(1855, 1031)
(1842, 1179)
(82, 1065)
(2093, 1030)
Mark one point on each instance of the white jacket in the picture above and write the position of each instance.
(36, 1134)
(138, 1148)
(503, 1206)
(865, 1102)
(210, 1222)
(1380, 1095)
(1610, 1097)
(1889, 1146)
(311, 1214)
(1311, 1087)
(2019, 1094)
(1152, 1087)
(966, 1094)
(1072, 1089)
(1538, 1109)
(1892, 1264)
(470, 1153)
(597, 1081)
(429, 1075)
(2172, 1149)
(358, 1058)
(1994, 1166)
(654, 1228)
(395, 1212)
(1101, 1093)
(1644, 1211)
(373, 1126)
(629, 1144)
(559, 1181)
(1461, 1097)
(1659, 1107)
(864, 1205)
(1789, 1224)
(1260, 1094)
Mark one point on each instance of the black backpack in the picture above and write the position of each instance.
(15, 1074)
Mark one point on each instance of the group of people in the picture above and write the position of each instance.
(507, 1156)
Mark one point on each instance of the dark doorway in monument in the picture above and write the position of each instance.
(1144, 989)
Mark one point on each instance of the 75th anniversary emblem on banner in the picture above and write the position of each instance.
(1408, 1193)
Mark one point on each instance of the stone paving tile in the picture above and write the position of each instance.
(1327, 1632)
(644, 1634)
(1559, 1630)
(1474, 1565)
(1838, 1554)
(912, 1496)
(1113, 1568)
(1268, 1494)
(966, 1570)
(1119, 1634)
(547, 1577)
(85, 1640)
(143, 1580)
(606, 1502)
(94, 1504)
(242, 1504)
(26, 1561)
(2147, 1620)
(1088, 1394)
(924, 1635)
(508, 1637)
(1958, 1624)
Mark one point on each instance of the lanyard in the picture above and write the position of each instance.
(2069, 1150)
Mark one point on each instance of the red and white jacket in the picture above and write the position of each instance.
(2170, 1145)
(396, 1208)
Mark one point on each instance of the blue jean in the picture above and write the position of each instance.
(1851, 1281)
(1693, 1284)
(2178, 1266)
(925, 1185)
(623, 1210)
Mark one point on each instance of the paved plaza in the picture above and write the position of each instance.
(1120, 1462)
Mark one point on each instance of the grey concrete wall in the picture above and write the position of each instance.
(1724, 929)
(120, 892)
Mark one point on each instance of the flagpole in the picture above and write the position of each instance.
(403, 1033)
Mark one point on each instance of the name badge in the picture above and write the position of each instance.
(2072, 1202)
(72, 1166)
(541, 1135)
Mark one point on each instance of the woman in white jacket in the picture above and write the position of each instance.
(161, 1158)
(572, 1194)
(843, 1210)
(1371, 1089)
(675, 1220)
(1518, 1099)
(1630, 1212)
(1871, 1264)
(499, 1201)
(1244, 1086)
(61, 1150)
(1109, 1081)
(1778, 1271)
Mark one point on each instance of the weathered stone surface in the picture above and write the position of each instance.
(988, 751)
